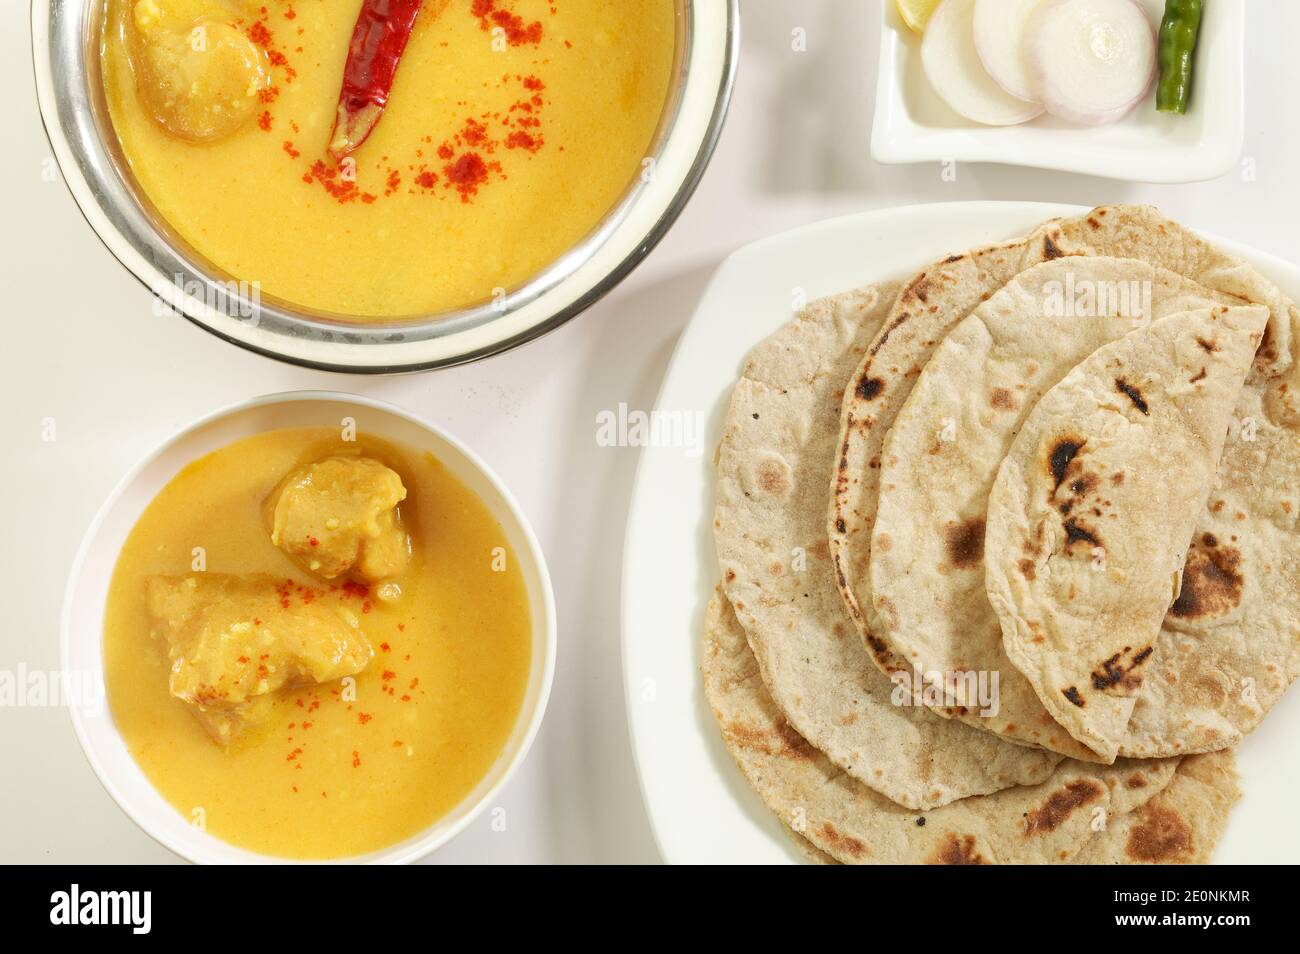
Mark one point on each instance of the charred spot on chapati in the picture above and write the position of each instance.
(1073, 695)
(1003, 399)
(1060, 805)
(842, 842)
(1160, 836)
(1061, 455)
(957, 850)
(1212, 580)
(1121, 669)
(1075, 532)
(884, 335)
(964, 542)
(919, 289)
(1134, 395)
(869, 387)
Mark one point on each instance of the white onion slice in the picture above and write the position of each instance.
(953, 67)
(1000, 27)
(1093, 60)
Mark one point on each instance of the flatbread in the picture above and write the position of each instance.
(774, 462)
(1140, 231)
(936, 299)
(1230, 638)
(943, 452)
(1181, 825)
(1094, 506)
(1046, 823)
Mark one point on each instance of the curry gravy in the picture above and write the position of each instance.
(500, 147)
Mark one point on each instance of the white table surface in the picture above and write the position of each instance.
(82, 345)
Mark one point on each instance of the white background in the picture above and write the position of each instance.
(81, 344)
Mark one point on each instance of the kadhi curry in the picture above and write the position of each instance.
(316, 647)
(386, 158)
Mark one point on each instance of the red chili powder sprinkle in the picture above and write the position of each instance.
(260, 35)
(516, 31)
(466, 174)
(288, 147)
(264, 122)
(364, 717)
(474, 133)
(522, 140)
(385, 647)
(353, 588)
(356, 759)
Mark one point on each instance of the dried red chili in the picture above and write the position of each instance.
(378, 39)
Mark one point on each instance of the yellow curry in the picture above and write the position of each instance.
(511, 128)
(316, 647)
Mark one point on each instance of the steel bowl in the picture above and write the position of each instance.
(66, 52)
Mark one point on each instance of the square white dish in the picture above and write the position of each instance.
(701, 809)
(912, 124)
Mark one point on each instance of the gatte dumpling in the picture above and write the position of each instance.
(234, 641)
(338, 516)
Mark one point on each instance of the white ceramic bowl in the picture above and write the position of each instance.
(83, 609)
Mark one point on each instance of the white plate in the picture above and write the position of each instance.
(700, 807)
(83, 609)
(913, 124)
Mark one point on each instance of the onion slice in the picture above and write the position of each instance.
(1093, 60)
(953, 67)
(1000, 28)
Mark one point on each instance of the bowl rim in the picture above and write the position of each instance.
(541, 667)
(703, 79)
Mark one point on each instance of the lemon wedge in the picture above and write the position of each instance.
(916, 13)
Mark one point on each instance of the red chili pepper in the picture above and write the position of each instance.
(380, 36)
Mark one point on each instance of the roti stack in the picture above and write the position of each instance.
(1008, 551)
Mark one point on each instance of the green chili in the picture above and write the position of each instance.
(1178, 35)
